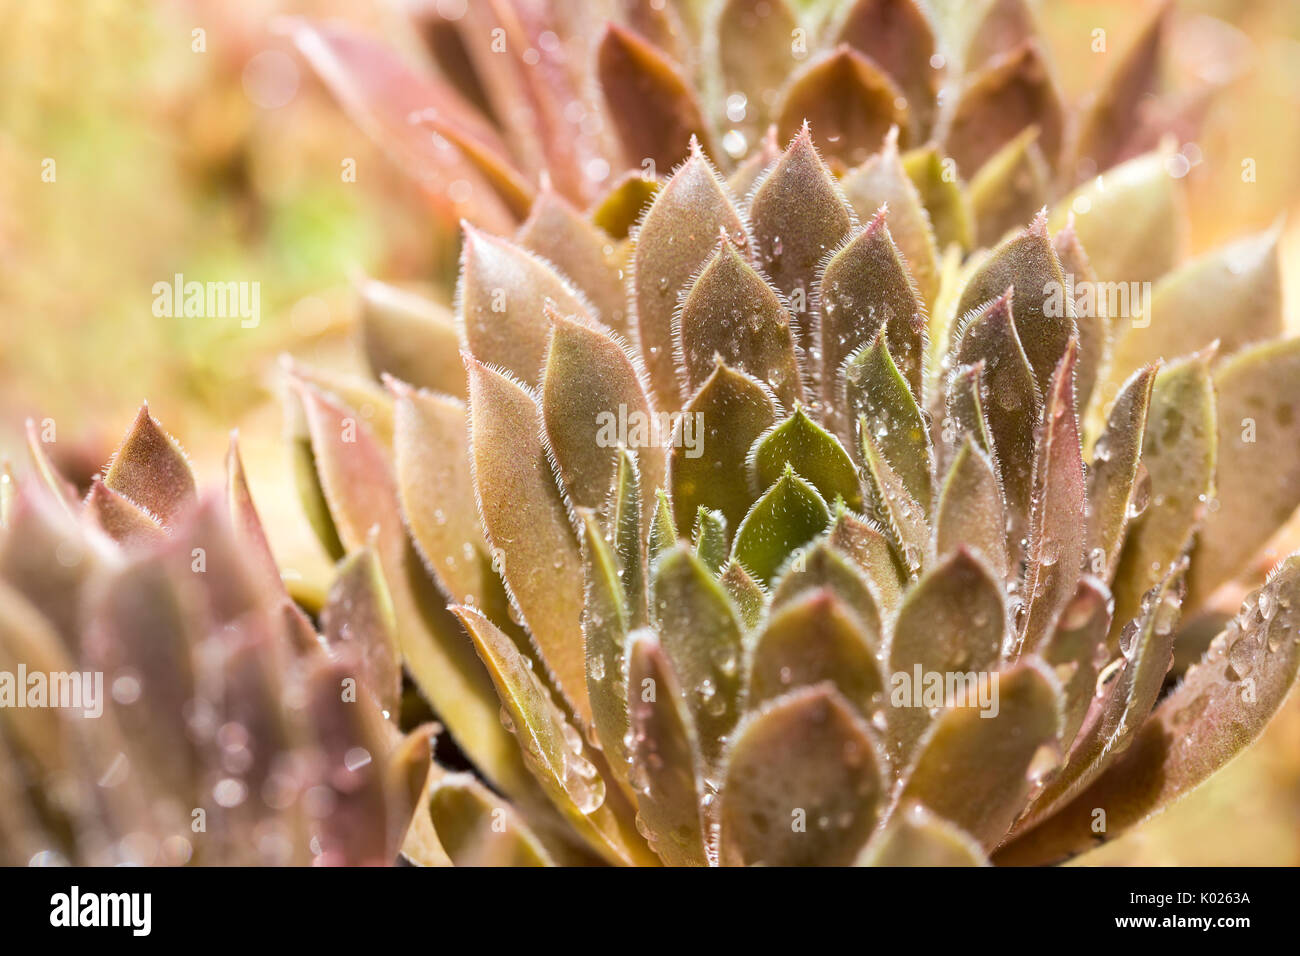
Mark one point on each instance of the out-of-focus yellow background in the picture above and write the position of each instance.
(143, 139)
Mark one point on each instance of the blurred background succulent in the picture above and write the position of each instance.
(659, 196)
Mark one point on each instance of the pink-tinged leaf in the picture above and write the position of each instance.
(974, 766)
(1057, 526)
(869, 547)
(882, 181)
(358, 617)
(799, 217)
(63, 490)
(527, 526)
(823, 566)
(732, 313)
(383, 97)
(588, 257)
(1091, 315)
(1009, 93)
(365, 397)
(1232, 295)
(914, 836)
(651, 105)
(1257, 394)
(755, 57)
(805, 756)
(502, 300)
(151, 469)
(591, 384)
(553, 748)
(1179, 450)
(902, 517)
(410, 337)
(478, 828)
(122, 519)
(898, 37)
(1115, 477)
(665, 753)
(813, 638)
(1076, 649)
(849, 101)
(250, 536)
(726, 416)
(678, 234)
(1002, 26)
(1221, 706)
(971, 511)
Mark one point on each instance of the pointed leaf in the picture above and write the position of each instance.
(900, 513)
(812, 452)
(869, 547)
(630, 525)
(411, 338)
(746, 593)
(358, 616)
(605, 631)
(122, 519)
(151, 470)
(880, 399)
(478, 828)
(916, 837)
(822, 566)
(971, 512)
(898, 37)
(710, 537)
(1091, 316)
(942, 196)
(1077, 641)
(789, 514)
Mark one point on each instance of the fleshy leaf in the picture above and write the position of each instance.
(1077, 639)
(1115, 486)
(967, 417)
(849, 101)
(553, 748)
(1179, 452)
(1009, 93)
(789, 514)
(122, 519)
(478, 828)
(651, 105)
(869, 547)
(814, 638)
(897, 510)
(971, 511)
(678, 234)
(1091, 315)
(1009, 188)
(249, 534)
(1001, 27)
(942, 195)
(629, 522)
(805, 757)
(726, 416)
(881, 400)
(663, 535)
(624, 204)
(502, 299)
(710, 537)
(590, 386)
(1232, 295)
(701, 634)
(410, 337)
(799, 216)
(974, 769)
(813, 452)
(666, 758)
(605, 632)
(731, 311)
(898, 37)
(1257, 394)
(954, 621)
(754, 55)
(914, 836)
(746, 593)
(528, 529)
(1057, 534)
(822, 566)
(866, 287)
(151, 470)
(358, 616)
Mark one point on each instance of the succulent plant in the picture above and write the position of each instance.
(214, 725)
(759, 475)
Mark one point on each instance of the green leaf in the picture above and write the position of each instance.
(358, 615)
(1115, 477)
(1057, 532)
(1220, 707)
(897, 36)
(746, 593)
(1232, 295)
(813, 452)
(478, 828)
(849, 101)
(1131, 219)
(799, 216)
(1007, 94)
(881, 401)
(592, 261)
(710, 537)
(900, 513)
(589, 389)
(974, 770)
(666, 759)
(528, 530)
(663, 535)
(629, 522)
(913, 836)
(1078, 636)
(789, 514)
(678, 234)
(605, 631)
(1042, 308)
(651, 105)
(870, 549)
(812, 638)
(805, 758)
(754, 55)
(866, 288)
(822, 565)
(954, 621)
(701, 634)
(967, 417)
(725, 417)
(150, 468)
(1257, 394)
(1008, 189)
(625, 203)
(942, 196)
(1179, 452)
(410, 337)
(553, 748)
(971, 511)
(502, 300)
(731, 312)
